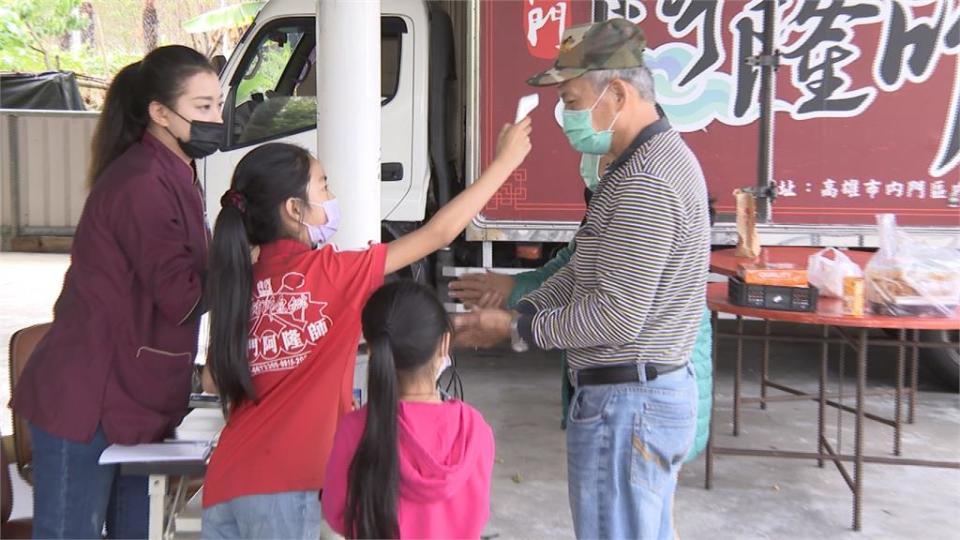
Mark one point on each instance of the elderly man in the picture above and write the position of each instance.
(628, 306)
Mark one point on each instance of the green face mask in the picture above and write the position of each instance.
(590, 170)
(578, 127)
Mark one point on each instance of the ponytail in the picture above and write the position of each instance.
(159, 77)
(229, 285)
(250, 215)
(122, 121)
(374, 475)
(401, 347)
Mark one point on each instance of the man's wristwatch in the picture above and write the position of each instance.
(517, 343)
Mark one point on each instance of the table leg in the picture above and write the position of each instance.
(708, 483)
(765, 366)
(898, 406)
(913, 377)
(175, 504)
(737, 377)
(822, 406)
(157, 491)
(858, 442)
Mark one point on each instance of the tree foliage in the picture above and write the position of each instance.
(37, 27)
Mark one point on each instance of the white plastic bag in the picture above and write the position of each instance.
(827, 274)
(909, 278)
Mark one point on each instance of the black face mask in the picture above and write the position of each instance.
(205, 138)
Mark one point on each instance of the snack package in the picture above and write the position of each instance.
(907, 278)
(767, 273)
(827, 274)
(748, 241)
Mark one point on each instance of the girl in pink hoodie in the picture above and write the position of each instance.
(408, 464)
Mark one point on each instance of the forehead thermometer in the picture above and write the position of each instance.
(526, 105)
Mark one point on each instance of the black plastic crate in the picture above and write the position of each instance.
(772, 296)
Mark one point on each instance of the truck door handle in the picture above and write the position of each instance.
(391, 172)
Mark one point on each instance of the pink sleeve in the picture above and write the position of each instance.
(482, 436)
(334, 500)
(486, 467)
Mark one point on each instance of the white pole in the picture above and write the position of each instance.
(348, 113)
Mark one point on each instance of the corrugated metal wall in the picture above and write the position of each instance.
(6, 201)
(43, 165)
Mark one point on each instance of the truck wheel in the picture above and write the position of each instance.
(945, 362)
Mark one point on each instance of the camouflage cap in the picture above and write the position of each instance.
(611, 44)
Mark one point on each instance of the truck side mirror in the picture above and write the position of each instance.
(219, 62)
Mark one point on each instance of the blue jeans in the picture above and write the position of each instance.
(625, 445)
(74, 496)
(289, 515)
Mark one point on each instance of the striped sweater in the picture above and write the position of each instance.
(634, 289)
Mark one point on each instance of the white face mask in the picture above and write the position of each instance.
(444, 364)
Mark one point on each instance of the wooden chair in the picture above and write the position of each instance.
(22, 344)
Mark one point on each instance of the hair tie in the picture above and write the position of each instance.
(235, 199)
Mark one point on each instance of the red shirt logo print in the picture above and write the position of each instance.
(285, 322)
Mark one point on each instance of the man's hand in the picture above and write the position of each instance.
(482, 328)
(485, 291)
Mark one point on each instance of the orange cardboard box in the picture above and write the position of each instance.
(780, 274)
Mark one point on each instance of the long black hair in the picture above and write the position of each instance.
(262, 181)
(159, 77)
(404, 324)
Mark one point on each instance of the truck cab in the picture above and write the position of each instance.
(269, 84)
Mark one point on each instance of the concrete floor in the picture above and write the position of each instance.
(752, 498)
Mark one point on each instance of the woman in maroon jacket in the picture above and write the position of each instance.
(116, 365)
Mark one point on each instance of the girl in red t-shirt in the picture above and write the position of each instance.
(284, 330)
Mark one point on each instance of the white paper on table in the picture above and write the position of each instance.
(201, 425)
(155, 452)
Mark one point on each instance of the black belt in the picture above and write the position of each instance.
(621, 374)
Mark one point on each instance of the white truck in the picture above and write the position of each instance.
(269, 84)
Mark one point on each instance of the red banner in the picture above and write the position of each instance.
(867, 103)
